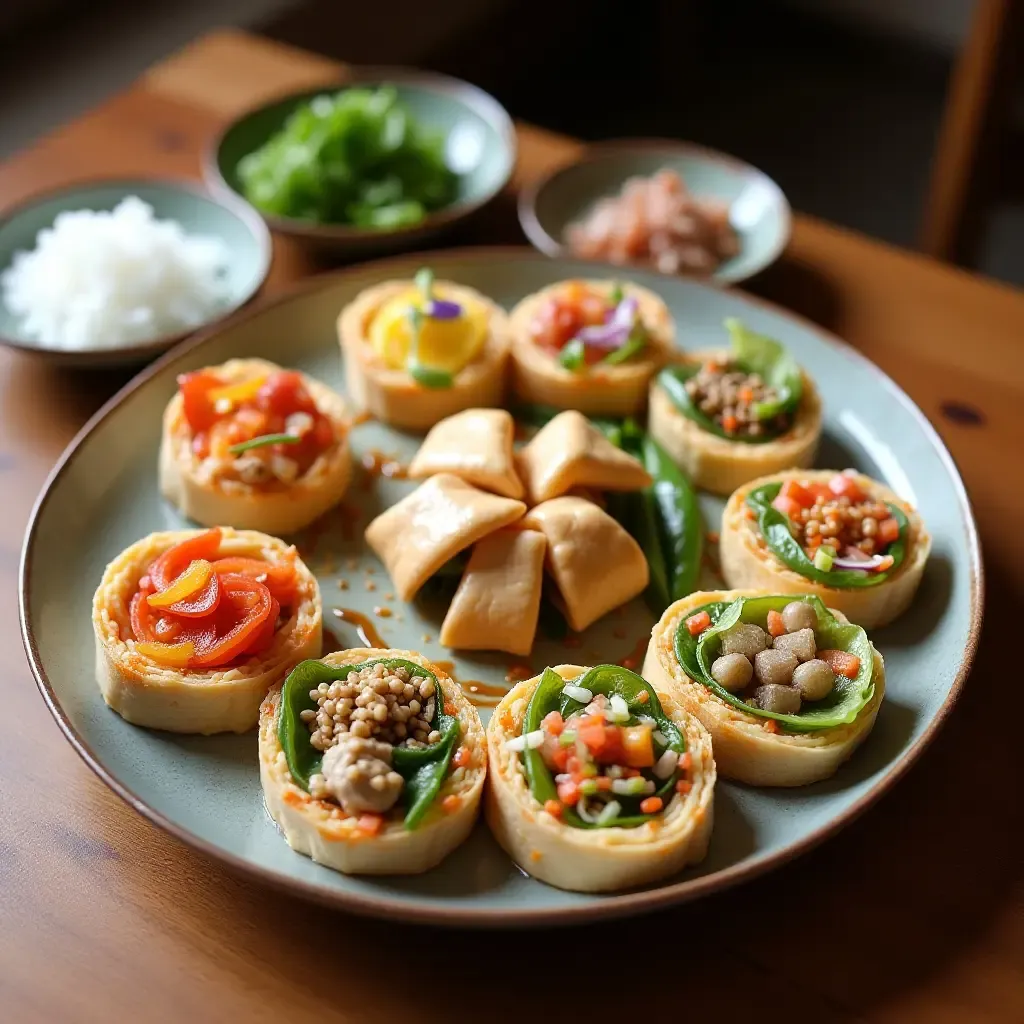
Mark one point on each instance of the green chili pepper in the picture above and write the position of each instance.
(424, 769)
(752, 353)
(777, 530)
(609, 680)
(848, 698)
(262, 441)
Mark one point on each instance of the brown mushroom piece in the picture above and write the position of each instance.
(775, 667)
(782, 700)
(800, 644)
(744, 638)
(813, 679)
(798, 615)
(732, 672)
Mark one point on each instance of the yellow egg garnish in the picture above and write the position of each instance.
(446, 345)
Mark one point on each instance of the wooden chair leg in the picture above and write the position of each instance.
(974, 124)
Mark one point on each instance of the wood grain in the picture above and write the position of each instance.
(916, 913)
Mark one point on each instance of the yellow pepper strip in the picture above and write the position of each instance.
(226, 398)
(175, 655)
(190, 582)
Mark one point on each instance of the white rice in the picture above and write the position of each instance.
(107, 279)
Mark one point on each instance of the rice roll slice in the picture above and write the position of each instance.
(598, 780)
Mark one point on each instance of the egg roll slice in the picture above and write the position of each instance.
(552, 802)
(475, 445)
(497, 603)
(613, 389)
(753, 745)
(595, 563)
(391, 394)
(440, 781)
(205, 490)
(756, 538)
(568, 453)
(442, 517)
(149, 693)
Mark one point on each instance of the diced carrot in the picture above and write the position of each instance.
(730, 424)
(553, 723)
(787, 506)
(450, 708)
(685, 761)
(630, 773)
(800, 494)
(603, 783)
(841, 662)
(746, 394)
(371, 824)
(506, 721)
(888, 531)
(696, 624)
(643, 697)
(843, 486)
(637, 746)
(684, 786)
(553, 807)
(560, 758)
(651, 805)
(451, 803)
(815, 541)
(462, 757)
(775, 624)
(568, 792)
(886, 563)
(749, 513)
(771, 726)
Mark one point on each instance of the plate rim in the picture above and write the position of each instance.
(126, 355)
(543, 241)
(396, 908)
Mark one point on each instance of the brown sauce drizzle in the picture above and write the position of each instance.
(366, 630)
(361, 417)
(517, 673)
(635, 658)
(479, 693)
(377, 463)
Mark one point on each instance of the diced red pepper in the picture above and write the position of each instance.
(651, 805)
(560, 759)
(696, 624)
(369, 823)
(796, 491)
(568, 792)
(553, 807)
(888, 531)
(787, 506)
(775, 624)
(843, 486)
(553, 723)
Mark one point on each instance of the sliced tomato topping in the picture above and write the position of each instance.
(175, 655)
(201, 603)
(797, 493)
(191, 582)
(244, 608)
(787, 506)
(279, 577)
(843, 486)
(284, 393)
(174, 561)
(195, 392)
(265, 637)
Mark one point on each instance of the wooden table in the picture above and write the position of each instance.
(915, 913)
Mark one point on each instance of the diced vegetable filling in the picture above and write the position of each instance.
(736, 400)
(779, 668)
(838, 524)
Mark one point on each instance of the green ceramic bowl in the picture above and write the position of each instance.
(480, 146)
(758, 209)
(234, 222)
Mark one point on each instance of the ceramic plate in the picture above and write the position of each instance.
(229, 219)
(103, 496)
(757, 208)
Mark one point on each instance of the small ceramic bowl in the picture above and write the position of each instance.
(480, 146)
(758, 210)
(234, 222)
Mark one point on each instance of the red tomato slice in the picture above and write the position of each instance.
(141, 617)
(284, 393)
(202, 603)
(245, 606)
(266, 635)
(843, 486)
(279, 577)
(174, 561)
(195, 389)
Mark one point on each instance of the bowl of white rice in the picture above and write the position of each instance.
(116, 272)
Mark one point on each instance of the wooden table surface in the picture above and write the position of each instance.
(914, 913)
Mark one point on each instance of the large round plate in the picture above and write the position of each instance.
(103, 495)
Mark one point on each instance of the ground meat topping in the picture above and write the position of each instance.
(375, 702)
(727, 396)
(839, 523)
(357, 774)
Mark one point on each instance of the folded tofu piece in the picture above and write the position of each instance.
(571, 452)
(498, 601)
(475, 445)
(595, 563)
(443, 516)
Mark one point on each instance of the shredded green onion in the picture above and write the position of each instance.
(262, 441)
(572, 354)
(567, 738)
(823, 559)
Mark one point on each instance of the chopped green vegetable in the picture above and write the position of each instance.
(424, 768)
(823, 559)
(358, 157)
(262, 441)
(847, 699)
(777, 531)
(428, 376)
(634, 344)
(573, 354)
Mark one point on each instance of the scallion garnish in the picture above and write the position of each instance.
(572, 354)
(424, 280)
(262, 441)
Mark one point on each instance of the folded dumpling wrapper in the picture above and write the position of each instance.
(442, 517)
(596, 564)
(570, 452)
(498, 601)
(475, 445)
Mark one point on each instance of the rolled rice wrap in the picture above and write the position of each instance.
(157, 696)
(281, 508)
(393, 395)
(597, 859)
(749, 564)
(751, 748)
(322, 830)
(720, 465)
(601, 388)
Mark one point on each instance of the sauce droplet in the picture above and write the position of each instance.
(363, 416)
(479, 693)
(381, 612)
(635, 658)
(517, 673)
(365, 629)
